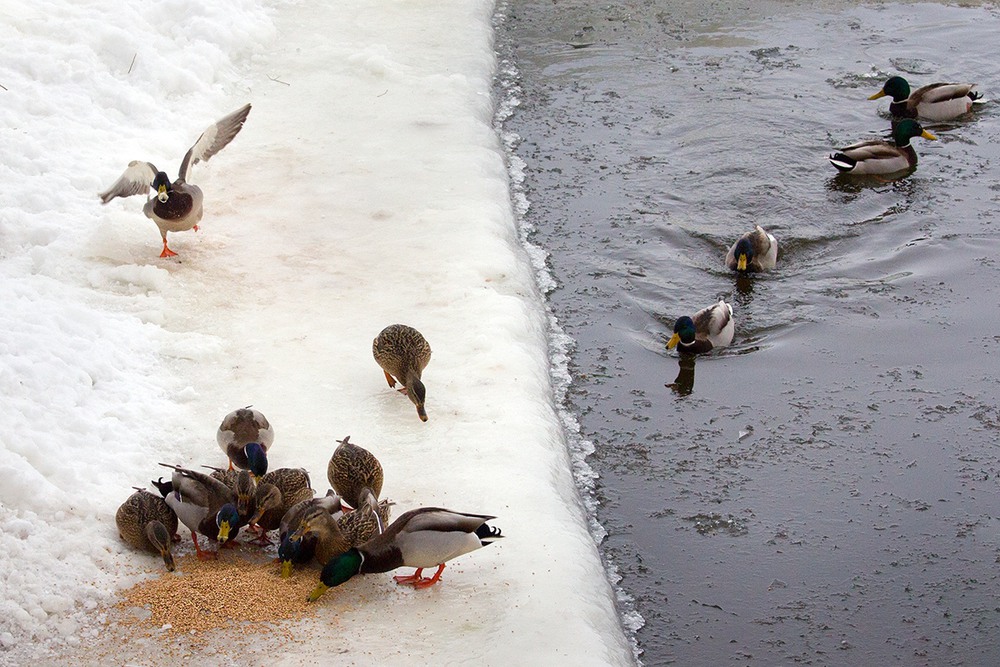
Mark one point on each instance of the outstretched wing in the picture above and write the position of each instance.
(213, 140)
(135, 180)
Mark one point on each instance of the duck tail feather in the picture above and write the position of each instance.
(165, 488)
(487, 533)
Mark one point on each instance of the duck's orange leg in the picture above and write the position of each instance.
(202, 555)
(388, 378)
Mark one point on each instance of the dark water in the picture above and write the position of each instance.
(825, 491)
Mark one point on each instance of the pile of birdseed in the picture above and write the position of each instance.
(205, 595)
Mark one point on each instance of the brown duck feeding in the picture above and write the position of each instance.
(403, 354)
(146, 522)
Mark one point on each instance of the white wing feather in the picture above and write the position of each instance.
(213, 139)
(137, 179)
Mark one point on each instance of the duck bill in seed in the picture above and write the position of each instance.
(317, 593)
(223, 532)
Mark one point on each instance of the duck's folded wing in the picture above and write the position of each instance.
(442, 520)
(202, 489)
(189, 513)
(137, 179)
(941, 92)
(719, 318)
(871, 150)
(213, 140)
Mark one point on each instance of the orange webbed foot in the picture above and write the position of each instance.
(262, 540)
(409, 579)
(202, 555)
(427, 583)
(388, 378)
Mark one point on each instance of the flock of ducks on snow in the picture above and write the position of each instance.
(757, 250)
(344, 531)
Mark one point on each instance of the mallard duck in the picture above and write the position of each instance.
(756, 250)
(708, 329)
(937, 101)
(203, 504)
(146, 522)
(322, 527)
(227, 477)
(356, 475)
(327, 535)
(177, 206)
(876, 156)
(241, 483)
(403, 353)
(277, 492)
(330, 503)
(420, 538)
(362, 525)
(245, 435)
(302, 550)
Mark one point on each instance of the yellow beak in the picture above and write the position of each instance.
(741, 263)
(161, 193)
(672, 343)
(927, 135)
(223, 532)
(317, 592)
(286, 569)
(877, 95)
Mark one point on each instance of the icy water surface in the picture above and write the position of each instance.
(825, 490)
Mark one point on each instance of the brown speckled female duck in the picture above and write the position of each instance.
(403, 353)
(355, 474)
(146, 522)
(277, 492)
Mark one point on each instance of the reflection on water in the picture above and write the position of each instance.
(744, 286)
(850, 429)
(852, 184)
(683, 384)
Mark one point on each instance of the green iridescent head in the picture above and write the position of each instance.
(257, 458)
(895, 87)
(338, 570)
